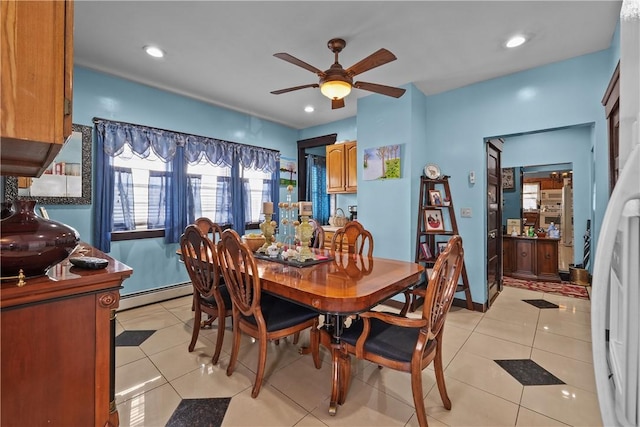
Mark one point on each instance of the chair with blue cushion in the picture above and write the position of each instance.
(210, 295)
(258, 314)
(407, 344)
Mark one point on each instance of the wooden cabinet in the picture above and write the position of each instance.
(329, 231)
(35, 84)
(58, 337)
(507, 258)
(342, 168)
(530, 258)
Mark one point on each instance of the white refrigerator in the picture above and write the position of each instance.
(615, 299)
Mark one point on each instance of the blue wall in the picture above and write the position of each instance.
(96, 94)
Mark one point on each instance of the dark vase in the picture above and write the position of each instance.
(31, 243)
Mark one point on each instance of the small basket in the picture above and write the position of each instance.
(337, 220)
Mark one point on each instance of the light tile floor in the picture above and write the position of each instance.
(152, 379)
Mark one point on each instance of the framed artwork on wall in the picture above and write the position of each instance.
(508, 180)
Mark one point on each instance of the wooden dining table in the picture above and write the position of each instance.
(337, 285)
(344, 285)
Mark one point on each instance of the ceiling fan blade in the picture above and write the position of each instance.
(295, 61)
(291, 89)
(396, 92)
(337, 103)
(374, 60)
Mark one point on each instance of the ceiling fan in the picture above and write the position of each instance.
(336, 82)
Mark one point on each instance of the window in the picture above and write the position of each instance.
(138, 186)
(209, 189)
(258, 182)
(177, 178)
(530, 196)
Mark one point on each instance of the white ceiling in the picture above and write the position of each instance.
(221, 52)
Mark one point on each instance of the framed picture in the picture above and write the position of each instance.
(508, 181)
(442, 246)
(426, 251)
(514, 226)
(435, 197)
(433, 220)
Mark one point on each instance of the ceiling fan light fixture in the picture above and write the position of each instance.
(335, 89)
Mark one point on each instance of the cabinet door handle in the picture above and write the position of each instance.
(492, 235)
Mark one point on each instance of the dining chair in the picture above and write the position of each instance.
(317, 241)
(210, 295)
(354, 239)
(408, 344)
(209, 228)
(260, 315)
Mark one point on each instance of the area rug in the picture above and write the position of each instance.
(557, 288)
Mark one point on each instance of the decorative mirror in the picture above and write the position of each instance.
(67, 181)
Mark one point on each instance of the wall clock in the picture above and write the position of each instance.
(432, 171)
(508, 181)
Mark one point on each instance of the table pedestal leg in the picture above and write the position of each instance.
(340, 364)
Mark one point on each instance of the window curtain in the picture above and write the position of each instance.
(177, 149)
(103, 194)
(158, 184)
(317, 187)
(123, 212)
(194, 202)
(223, 201)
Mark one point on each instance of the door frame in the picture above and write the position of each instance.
(303, 144)
(496, 144)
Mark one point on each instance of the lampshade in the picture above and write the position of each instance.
(335, 89)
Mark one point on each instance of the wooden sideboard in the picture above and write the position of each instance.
(530, 258)
(58, 345)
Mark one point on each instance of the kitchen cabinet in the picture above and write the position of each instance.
(342, 168)
(35, 84)
(58, 346)
(531, 258)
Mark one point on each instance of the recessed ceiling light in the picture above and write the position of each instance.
(516, 41)
(154, 51)
(309, 109)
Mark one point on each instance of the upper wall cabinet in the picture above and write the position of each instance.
(35, 91)
(342, 168)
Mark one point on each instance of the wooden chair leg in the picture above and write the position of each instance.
(262, 361)
(234, 348)
(416, 390)
(296, 337)
(196, 328)
(437, 367)
(219, 338)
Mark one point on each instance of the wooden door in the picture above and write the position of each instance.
(351, 168)
(547, 259)
(494, 220)
(335, 168)
(525, 259)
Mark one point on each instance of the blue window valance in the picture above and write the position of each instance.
(164, 143)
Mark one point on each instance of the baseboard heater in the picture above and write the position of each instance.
(153, 296)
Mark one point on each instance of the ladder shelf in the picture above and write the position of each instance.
(435, 209)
